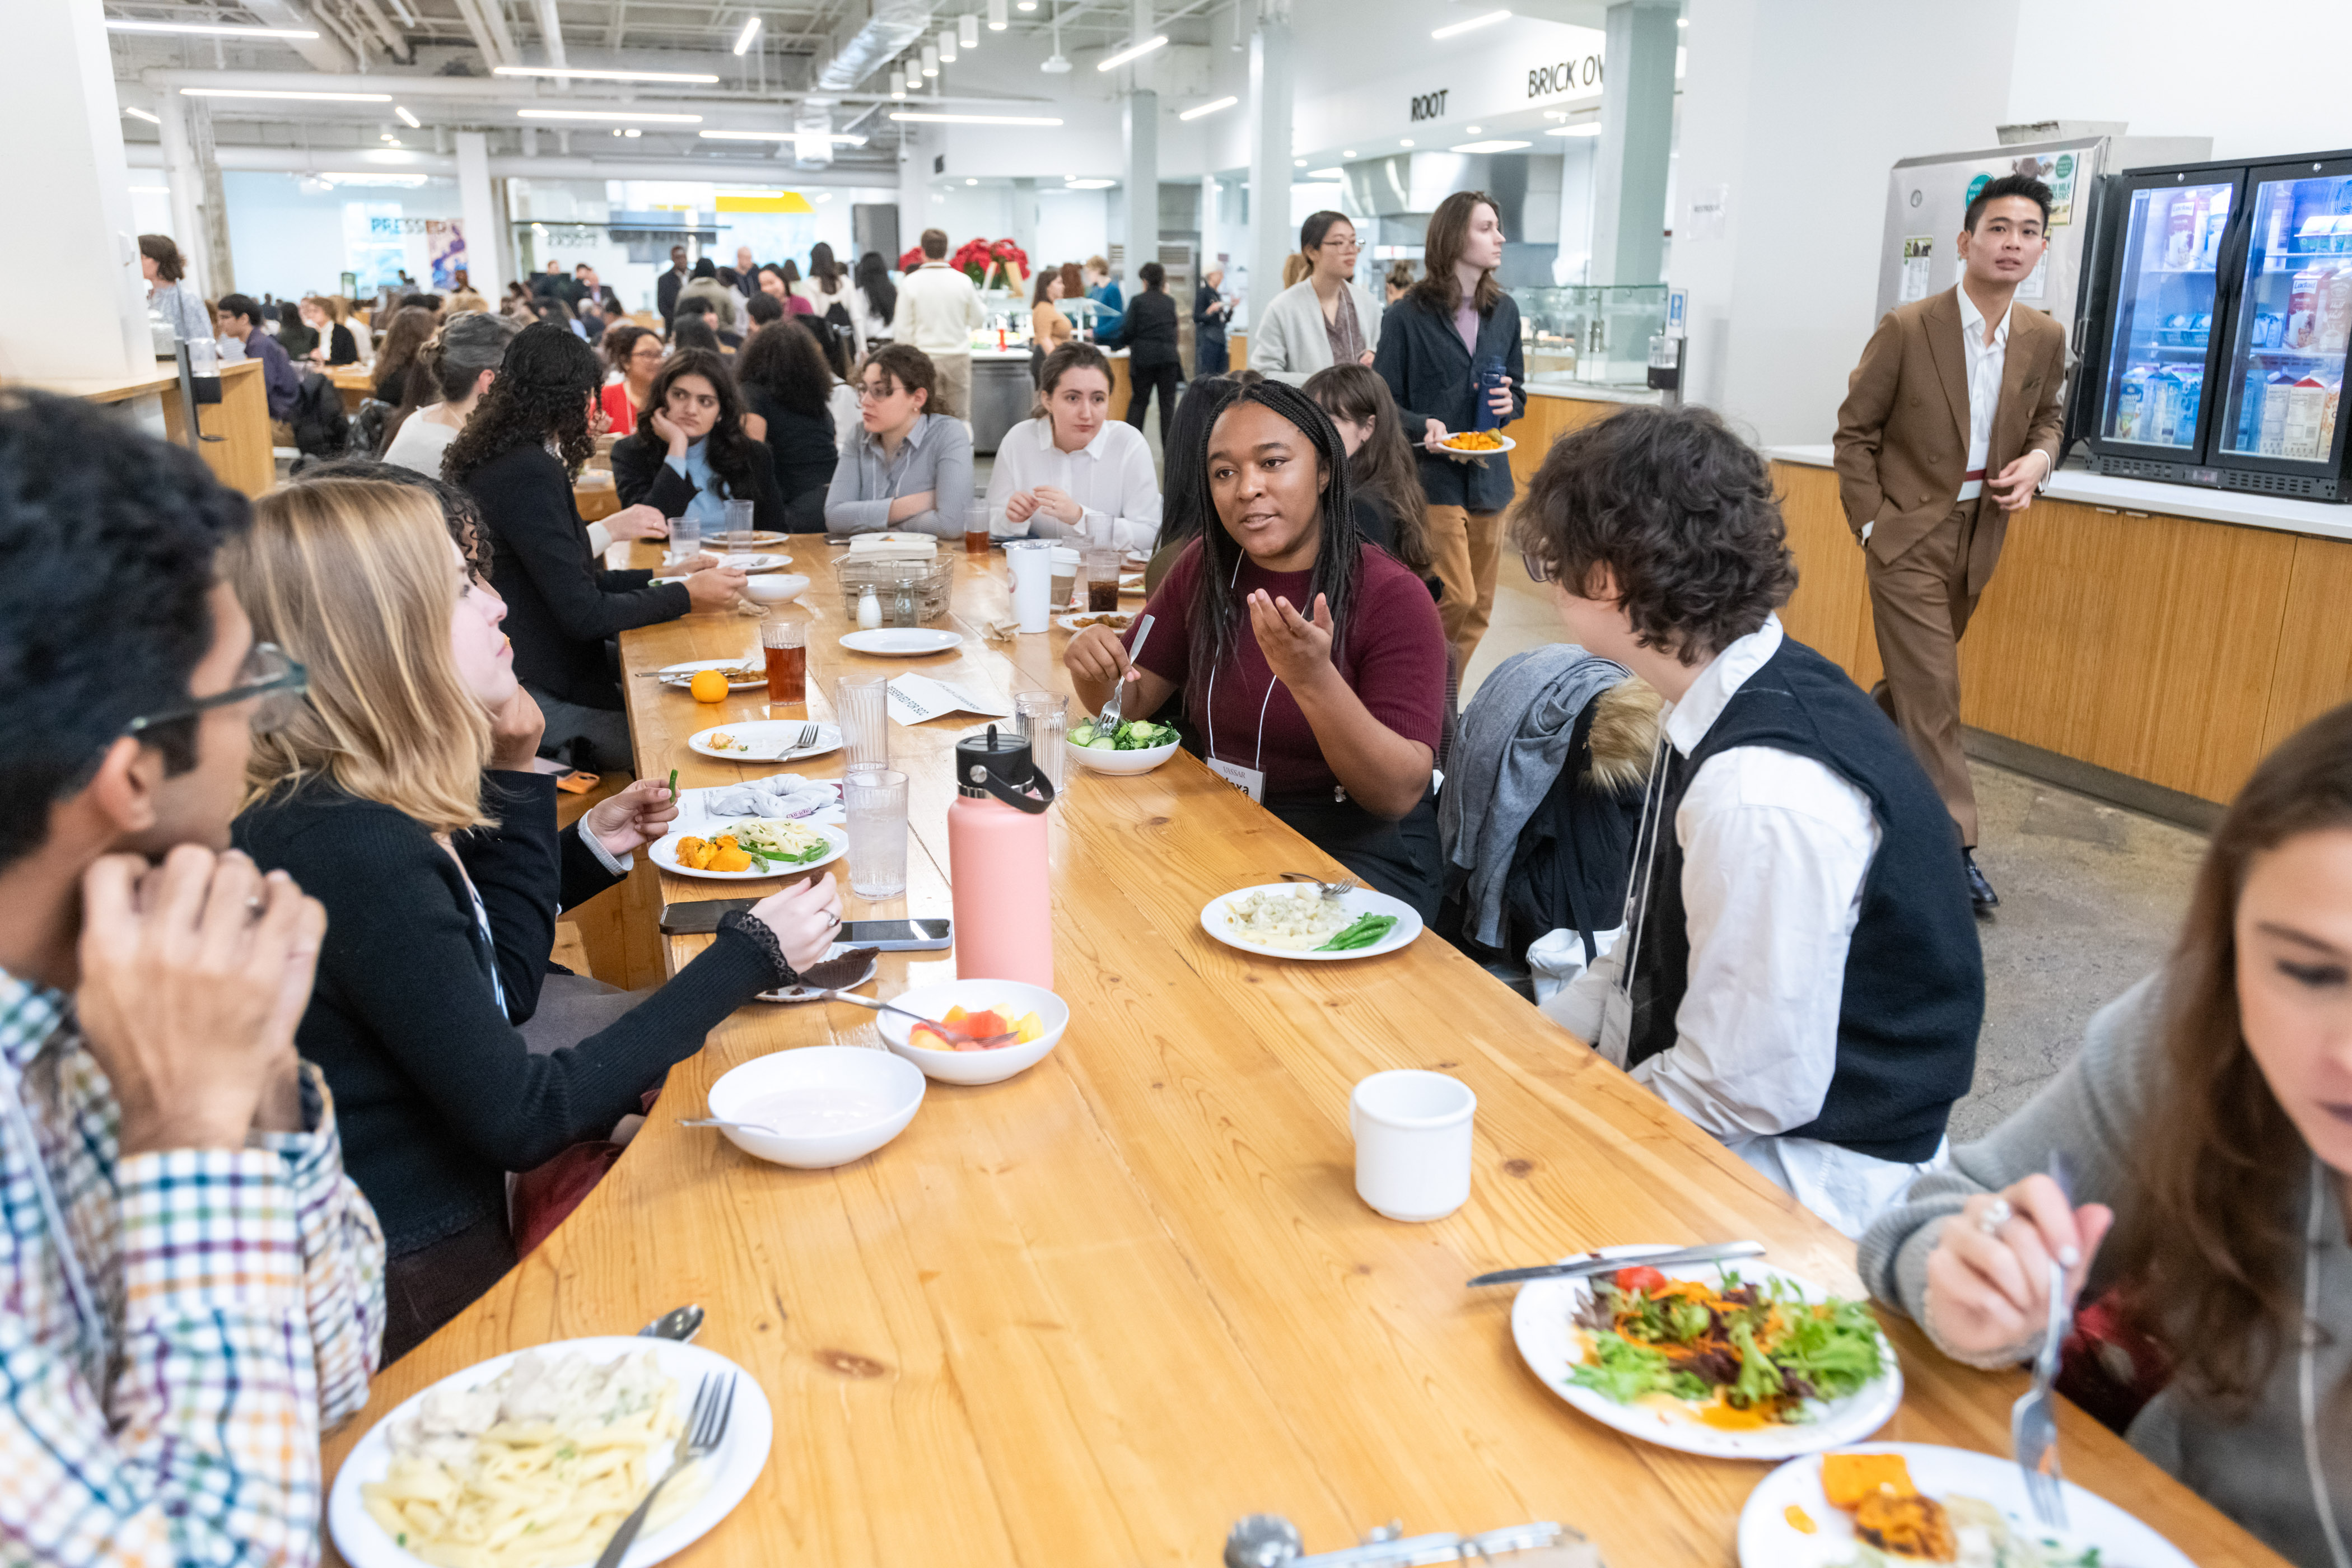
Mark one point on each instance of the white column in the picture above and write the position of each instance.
(1208, 227)
(1637, 131)
(191, 223)
(914, 192)
(487, 267)
(68, 178)
(1269, 194)
(1139, 128)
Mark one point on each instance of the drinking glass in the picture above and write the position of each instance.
(876, 801)
(1065, 575)
(685, 538)
(1102, 580)
(861, 704)
(1043, 719)
(975, 530)
(786, 645)
(738, 524)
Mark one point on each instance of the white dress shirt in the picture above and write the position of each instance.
(938, 309)
(1774, 849)
(1986, 362)
(1110, 477)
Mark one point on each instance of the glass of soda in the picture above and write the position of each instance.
(785, 643)
(1102, 580)
(975, 530)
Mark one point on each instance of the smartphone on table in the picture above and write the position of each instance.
(702, 918)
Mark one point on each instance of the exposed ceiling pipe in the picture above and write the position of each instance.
(507, 166)
(487, 24)
(892, 25)
(550, 36)
(509, 92)
(394, 44)
(322, 53)
(613, 34)
(814, 120)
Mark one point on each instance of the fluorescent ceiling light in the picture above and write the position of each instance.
(751, 31)
(309, 96)
(927, 119)
(1088, 185)
(839, 138)
(1588, 128)
(1490, 146)
(1211, 107)
(1132, 52)
(626, 116)
(594, 74)
(208, 29)
(1451, 28)
(1404, 141)
(1473, 130)
(822, 197)
(1324, 174)
(969, 181)
(142, 115)
(1346, 151)
(1024, 5)
(407, 118)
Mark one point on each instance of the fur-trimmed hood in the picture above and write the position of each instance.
(1625, 735)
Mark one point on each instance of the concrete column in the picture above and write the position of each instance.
(914, 192)
(70, 177)
(1637, 121)
(191, 220)
(1209, 237)
(1024, 225)
(1270, 239)
(220, 261)
(487, 264)
(1139, 128)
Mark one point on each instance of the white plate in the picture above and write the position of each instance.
(767, 738)
(751, 1427)
(1766, 1539)
(678, 676)
(1070, 623)
(1131, 586)
(1356, 901)
(1542, 1323)
(1507, 444)
(665, 851)
(749, 562)
(903, 642)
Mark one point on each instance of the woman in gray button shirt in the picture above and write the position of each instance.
(907, 469)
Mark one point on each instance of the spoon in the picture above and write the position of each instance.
(1263, 1540)
(680, 1324)
(949, 1030)
(759, 1127)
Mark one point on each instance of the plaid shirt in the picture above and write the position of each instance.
(241, 1293)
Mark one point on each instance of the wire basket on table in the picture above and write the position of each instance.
(911, 592)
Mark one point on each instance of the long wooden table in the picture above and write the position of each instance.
(1096, 1313)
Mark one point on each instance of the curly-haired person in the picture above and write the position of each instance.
(1800, 974)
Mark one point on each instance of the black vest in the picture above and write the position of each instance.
(1914, 990)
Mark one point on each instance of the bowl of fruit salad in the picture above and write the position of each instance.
(1137, 746)
(1034, 1015)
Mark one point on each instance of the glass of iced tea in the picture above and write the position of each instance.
(785, 643)
(975, 530)
(1102, 580)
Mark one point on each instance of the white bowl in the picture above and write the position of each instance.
(830, 1104)
(1107, 762)
(976, 1067)
(775, 587)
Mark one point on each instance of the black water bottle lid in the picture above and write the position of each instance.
(998, 763)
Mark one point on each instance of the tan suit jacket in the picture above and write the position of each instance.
(1903, 432)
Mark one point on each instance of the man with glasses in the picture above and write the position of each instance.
(195, 1289)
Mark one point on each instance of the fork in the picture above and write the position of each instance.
(2033, 1419)
(1108, 718)
(801, 743)
(1331, 890)
(705, 1428)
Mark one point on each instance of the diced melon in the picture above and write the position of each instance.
(954, 1016)
(1030, 1027)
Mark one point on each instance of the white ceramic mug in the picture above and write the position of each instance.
(1413, 1143)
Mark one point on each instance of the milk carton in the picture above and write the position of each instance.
(2335, 310)
(2131, 405)
(2302, 325)
(2307, 411)
(2272, 441)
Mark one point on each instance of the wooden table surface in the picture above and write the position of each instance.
(1096, 1313)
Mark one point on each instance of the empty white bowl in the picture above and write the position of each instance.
(775, 587)
(1108, 761)
(828, 1104)
(976, 1067)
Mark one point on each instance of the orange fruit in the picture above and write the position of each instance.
(707, 686)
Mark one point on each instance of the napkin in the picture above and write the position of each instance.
(778, 795)
(915, 698)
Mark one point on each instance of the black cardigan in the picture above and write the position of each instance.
(434, 1091)
(342, 348)
(804, 453)
(1206, 326)
(642, 474)
(1149, 329)
(561, 605)
(1422, 358)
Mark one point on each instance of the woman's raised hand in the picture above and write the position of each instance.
(1988, 1276)
(1296, 649)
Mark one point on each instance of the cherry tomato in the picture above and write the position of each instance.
(1633, 1280)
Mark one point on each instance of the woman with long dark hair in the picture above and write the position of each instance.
(1311, 664)
(691, 454)
(518, 456)
(395, 354)
(877, 301)
(635, 353)
(2204, 1120)
(787, 382)
(1389, 505)
(1447, 348)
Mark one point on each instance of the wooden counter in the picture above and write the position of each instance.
(242, 457)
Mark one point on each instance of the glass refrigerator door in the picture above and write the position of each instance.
(2164, 314)
(2294, 321)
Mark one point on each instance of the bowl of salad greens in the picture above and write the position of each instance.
(1136, 746)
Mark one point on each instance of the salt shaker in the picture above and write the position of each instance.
(869, 609)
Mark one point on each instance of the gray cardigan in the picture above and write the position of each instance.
(2254, 1471)
(936, 455)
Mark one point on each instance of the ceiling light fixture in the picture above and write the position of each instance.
(1451, 28)
(593, 74)
(1088, 185)
(1589, 128)
(743, 39)
(407, 118)
(822, 197)
(1404, 141)
(968, 29)
(624, 116)
(1347, 153)
(407, 17)
(947, 46)
(1132, 52)
(307, 96)
(208, 29)
(1473, 130)
(839, 138)
(925, 118)
(1298, 162)
(1025, 4)
(997, 20)
(142, 115)
(1682, 21)
(631, 131)
(1324, 174)
(969, 181)
(1490, 146)
(1211, 107)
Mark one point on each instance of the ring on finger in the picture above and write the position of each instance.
(1996, 1213)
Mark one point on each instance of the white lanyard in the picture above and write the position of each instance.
(89, 1323)
(1250, 780)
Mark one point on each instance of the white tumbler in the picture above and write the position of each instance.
(1413, 1143)
(1033, 570)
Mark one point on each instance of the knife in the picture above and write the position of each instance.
(1580, 1267)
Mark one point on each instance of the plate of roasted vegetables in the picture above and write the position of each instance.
(1476, 444)
(745, 849)
(1894, 1505)
(1735, 1361)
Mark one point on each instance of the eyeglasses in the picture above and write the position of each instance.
(266, 673)
(875, 393)
(1538, 571)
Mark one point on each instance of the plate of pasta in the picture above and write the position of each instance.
(532, 1460)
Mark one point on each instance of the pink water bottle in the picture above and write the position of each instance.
(997, 862)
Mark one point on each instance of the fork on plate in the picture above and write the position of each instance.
(705, 1428)
(1329, 889)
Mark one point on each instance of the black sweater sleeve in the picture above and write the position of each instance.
(529, 507)
(516, 868)
(584, 875)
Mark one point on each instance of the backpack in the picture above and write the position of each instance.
(321, 429)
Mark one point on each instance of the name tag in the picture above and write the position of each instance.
(1249, 781)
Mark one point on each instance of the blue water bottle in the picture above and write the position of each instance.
(1487, 372)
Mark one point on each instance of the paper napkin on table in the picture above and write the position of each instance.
(917, 697)
(788, 795)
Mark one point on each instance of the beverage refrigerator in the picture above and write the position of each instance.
(2227, 327)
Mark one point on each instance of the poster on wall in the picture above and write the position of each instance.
(1919, 251)
(444, 250)
(2062, 189)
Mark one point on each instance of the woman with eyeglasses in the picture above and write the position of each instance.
(1311, 663)
(635, 352)
(691, 455)
(402, 789)
(908, 468)
(1324, 319)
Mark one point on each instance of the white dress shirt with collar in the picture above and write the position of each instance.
(938, 309)
(1110, 479)
(1774, 849)
(1986, 362)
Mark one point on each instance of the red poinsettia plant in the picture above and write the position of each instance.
(998, 264)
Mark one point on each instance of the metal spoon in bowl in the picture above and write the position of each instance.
(949, 1030)
(759, 1127)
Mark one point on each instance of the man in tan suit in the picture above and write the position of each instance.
(1950, 423)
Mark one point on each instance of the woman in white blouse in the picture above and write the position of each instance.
(1073, 471)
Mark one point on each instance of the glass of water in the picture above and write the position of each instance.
(876, 801)
(1042, 719)
(685, 539)
(861, 704)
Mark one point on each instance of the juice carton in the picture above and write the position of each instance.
(2327, 422)
(2302, 325)
(2164, 408)
(2306, 410)
(2131, 405)
(2334, 309)
(2183, 224)
(2272, 440)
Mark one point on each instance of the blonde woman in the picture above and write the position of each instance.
(404, 789)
